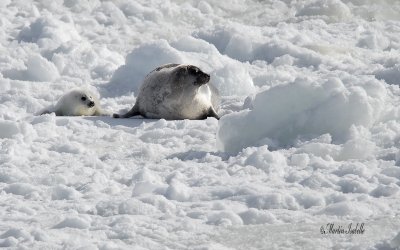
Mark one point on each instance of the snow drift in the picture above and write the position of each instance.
(303, 110)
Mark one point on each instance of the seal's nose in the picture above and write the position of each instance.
(91, 104)
(207, 77)
(204, 78)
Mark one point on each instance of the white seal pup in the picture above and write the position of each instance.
(77, 102)
(176, 92)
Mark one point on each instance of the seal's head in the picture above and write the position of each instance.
(192, 74)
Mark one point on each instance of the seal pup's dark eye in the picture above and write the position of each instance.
(83, 98)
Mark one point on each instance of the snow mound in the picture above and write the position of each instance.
(270, 162)
(38, 69)
(178, 191)
(395, 243)
(389, 75)
(303, 109)
(328, 10)
(374, 40)
(73, 222)
(251, 47)
(8, 129)
(224, 218)
(12, 236)
(146, 181)
(110, 14)
(48, 32)
(273, 201)
(136, 207)
(141, 12)
(23, 189)
(62, 192)
(233, 79)
(254, 216)
(346, 208)
(140, 62)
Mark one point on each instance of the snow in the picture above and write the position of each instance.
(37, 69)
(73, 223)
(329, 10)
(309, 129)
(302, 110)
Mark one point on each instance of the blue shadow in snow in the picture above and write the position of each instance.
(127, 122)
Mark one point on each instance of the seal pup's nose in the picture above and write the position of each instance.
(91, 104)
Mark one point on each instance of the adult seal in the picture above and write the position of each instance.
(176, 92)
(78, 102)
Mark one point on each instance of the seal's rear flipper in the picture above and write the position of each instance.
(45, 112)
(134, 111)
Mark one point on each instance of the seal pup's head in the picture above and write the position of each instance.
(77, 102)
(84, 98)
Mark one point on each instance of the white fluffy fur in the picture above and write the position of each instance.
(71, 104)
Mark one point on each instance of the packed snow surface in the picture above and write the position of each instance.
(309, 134)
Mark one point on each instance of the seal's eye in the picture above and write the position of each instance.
(193, 70)
(83, 98)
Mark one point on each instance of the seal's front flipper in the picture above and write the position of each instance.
(211, 113)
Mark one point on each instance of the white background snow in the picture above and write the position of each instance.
(310, 132)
